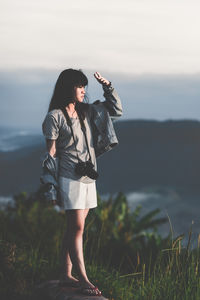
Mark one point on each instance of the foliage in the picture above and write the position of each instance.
(124, 258)
(114, 231)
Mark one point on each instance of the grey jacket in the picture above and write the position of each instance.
(104, 138)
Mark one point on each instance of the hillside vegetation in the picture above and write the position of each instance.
(124, 254)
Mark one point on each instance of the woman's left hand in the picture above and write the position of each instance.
(101, 79)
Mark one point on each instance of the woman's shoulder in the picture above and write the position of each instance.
(55, 116)
(55, 113)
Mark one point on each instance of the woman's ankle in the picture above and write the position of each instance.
(68, 278)
(85, 282)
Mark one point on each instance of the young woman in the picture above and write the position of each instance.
(76, 133)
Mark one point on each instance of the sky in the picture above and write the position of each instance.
(149, 49)
(130, 36)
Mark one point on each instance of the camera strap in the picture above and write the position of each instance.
(83, 128)
(84, 132)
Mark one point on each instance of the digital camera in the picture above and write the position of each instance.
(86, 169)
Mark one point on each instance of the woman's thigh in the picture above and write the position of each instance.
(76, 219)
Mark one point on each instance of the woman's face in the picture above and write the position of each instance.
(80, 93)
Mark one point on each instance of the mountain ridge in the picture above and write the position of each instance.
(150, 153)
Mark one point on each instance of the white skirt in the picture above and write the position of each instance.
(75, 194)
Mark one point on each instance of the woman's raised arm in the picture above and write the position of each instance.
(113, 102)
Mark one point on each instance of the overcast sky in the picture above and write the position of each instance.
(130, 36)
(149, 49)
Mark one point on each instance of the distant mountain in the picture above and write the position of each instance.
(153, 153)
(150, 153)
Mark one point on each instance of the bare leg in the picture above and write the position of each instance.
(66, 271)
(74, 254)
(75, 239)
(66, 260)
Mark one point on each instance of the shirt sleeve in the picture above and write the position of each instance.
(50, 127)
(113, 102)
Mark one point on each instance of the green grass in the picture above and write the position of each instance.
(123, 258)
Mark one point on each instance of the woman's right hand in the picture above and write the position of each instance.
(101, 79)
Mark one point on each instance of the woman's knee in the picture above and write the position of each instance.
(78, 228)
(75, 222)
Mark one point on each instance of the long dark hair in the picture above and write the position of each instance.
(64, 91)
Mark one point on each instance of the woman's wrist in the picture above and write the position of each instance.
(107, 87)
(107, 84)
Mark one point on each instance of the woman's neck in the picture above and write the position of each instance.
(71, 110)
(71, 107)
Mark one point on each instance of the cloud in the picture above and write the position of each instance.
(130, 36)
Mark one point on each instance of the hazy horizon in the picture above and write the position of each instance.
(25, 95)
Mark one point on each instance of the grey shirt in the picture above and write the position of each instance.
(55, 127)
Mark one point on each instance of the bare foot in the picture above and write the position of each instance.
(88, 288)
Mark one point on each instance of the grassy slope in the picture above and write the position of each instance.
(123, 259)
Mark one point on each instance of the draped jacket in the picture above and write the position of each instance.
(104, 138)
